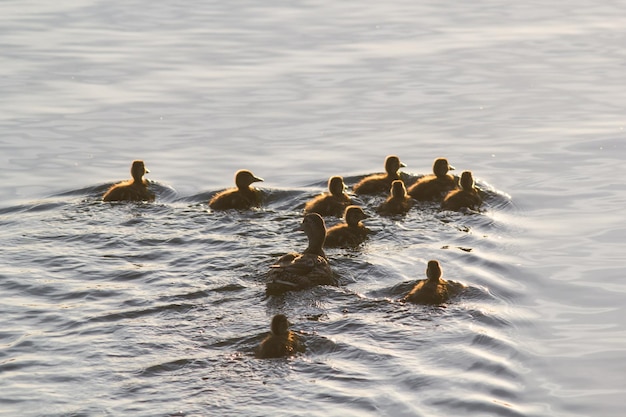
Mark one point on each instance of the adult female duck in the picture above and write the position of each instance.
(297, 271)
(332, 203)
(350, 233)
(380, 183)
(240, 198)
(465, 197)
(280, 342)
(432, 187)
(133, 190)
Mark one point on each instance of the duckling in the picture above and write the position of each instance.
(398, 201)
(297, 271)
(132, 190)
(280, 342)
(467, 196)
(380, 183)
(432, 187)
(332, 203)
(434, 290)
(350, 233)
(241, 198)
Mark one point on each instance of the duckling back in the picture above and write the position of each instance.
(465, 197)
(398, 202)
(280, 342)
(434, 289)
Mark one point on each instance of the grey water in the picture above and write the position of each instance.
(154, 309)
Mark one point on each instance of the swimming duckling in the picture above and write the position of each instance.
(432, 187)
(332, 203)
(350, 233)
(280, 342)
(467, 196)
(398, 201)
(295, 271)
(434, 290)
(380, 183)
(241, 198)
(132, 190)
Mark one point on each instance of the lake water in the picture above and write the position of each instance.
(155, 309)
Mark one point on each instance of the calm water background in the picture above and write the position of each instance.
(154, 309)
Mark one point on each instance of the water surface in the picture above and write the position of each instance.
(154, 309)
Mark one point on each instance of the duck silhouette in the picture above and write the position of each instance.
(132, 190)
(240, 198)
(380, 183)
(280, 342)
(433, 187)
(398, 201)
(465, 197)
(332, 203)
(349, 233)
(434, 289)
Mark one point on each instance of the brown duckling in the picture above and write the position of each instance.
(297, 271)
(350, 233)
(434, 290)
(433, 187)
(280, 342)
(467, 196)
(132, 190)
(332, 203)
(380, 183)
(398, 201)
(241, 198)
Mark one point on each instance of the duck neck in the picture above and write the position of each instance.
(316, 246)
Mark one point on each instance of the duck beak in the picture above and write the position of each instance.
(257, 179)
(147, 170)
(450, 167)
(402, 165)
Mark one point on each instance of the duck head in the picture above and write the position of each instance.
(353, 215)
(138, 170)
(280, 325)
(393, 164)
(441, 167)
(467, 181)
(398, 190)
(336, 185)
(433, 271)
(243, 178)
(315, 229)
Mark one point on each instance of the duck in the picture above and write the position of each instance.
(398, 201)
(332, 203)
(350, 233)
(433, 290)
(465, 197)
(280, 342)
(298, 271)
(380, 183)
(433, 187)
(240, 198)
(132, 190)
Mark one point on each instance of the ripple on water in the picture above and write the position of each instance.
(169, 294)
